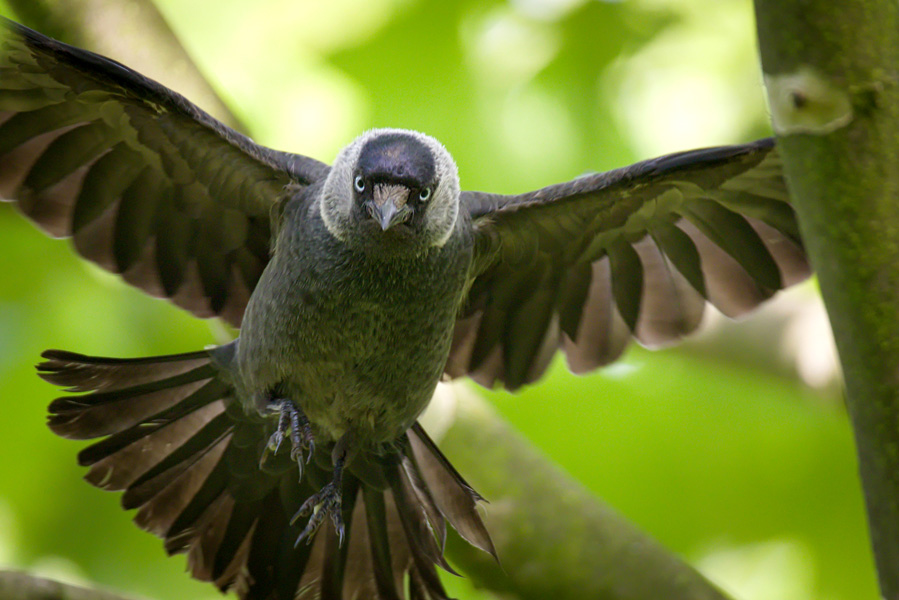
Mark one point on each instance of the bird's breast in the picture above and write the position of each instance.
(358, 343)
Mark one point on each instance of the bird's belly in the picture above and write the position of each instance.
(359, 362)
(367, 377)
(338, 398)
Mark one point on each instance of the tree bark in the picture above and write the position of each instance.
(833, 88)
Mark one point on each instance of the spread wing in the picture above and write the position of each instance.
(148, 185)
(636, 252)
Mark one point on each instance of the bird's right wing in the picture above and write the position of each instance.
(148, 185)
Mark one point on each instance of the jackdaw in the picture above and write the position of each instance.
(356, 288)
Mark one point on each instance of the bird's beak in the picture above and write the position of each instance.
(389, 205)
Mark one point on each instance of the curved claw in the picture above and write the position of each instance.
(311, 445)
(292, 422)
(326, 502)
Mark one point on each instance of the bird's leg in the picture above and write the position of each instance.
(292, 422)
(327, 501)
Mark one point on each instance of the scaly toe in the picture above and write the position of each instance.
(292, 424)
(325, 503)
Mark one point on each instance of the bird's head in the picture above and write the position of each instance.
(392, 187)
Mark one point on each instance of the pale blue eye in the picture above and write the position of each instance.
(359, 184)
(424, 194)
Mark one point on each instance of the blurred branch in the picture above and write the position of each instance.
(832, 87)
(20, 586)
(554, 538)
(790, 338)
(132, 32)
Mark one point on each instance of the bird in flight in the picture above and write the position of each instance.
(289, 463)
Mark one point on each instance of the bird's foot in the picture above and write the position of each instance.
(293, 423)
(325, 503)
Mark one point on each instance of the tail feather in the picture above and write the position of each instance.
(159, 513)
(112, 415)
(114, 406)
(212, 485)
(419, 533)
(334, 557)
(188, 410)
(190, 464)
(378, 538)
(257, 580)
(208, 537)
(425, 499)
(236, 563)
(151, 456)
(176, 461)
(309, 587)
(456, 499)
(418, 589)
(236, 528)
(147, 442)
(184, 477)
(80, 373)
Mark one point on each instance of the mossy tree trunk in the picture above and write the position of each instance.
(831, 73)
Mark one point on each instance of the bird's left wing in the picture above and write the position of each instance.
(636, 252)
(147, 184)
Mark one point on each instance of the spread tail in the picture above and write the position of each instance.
(187, 457)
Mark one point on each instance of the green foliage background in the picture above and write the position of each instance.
(741, 469)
